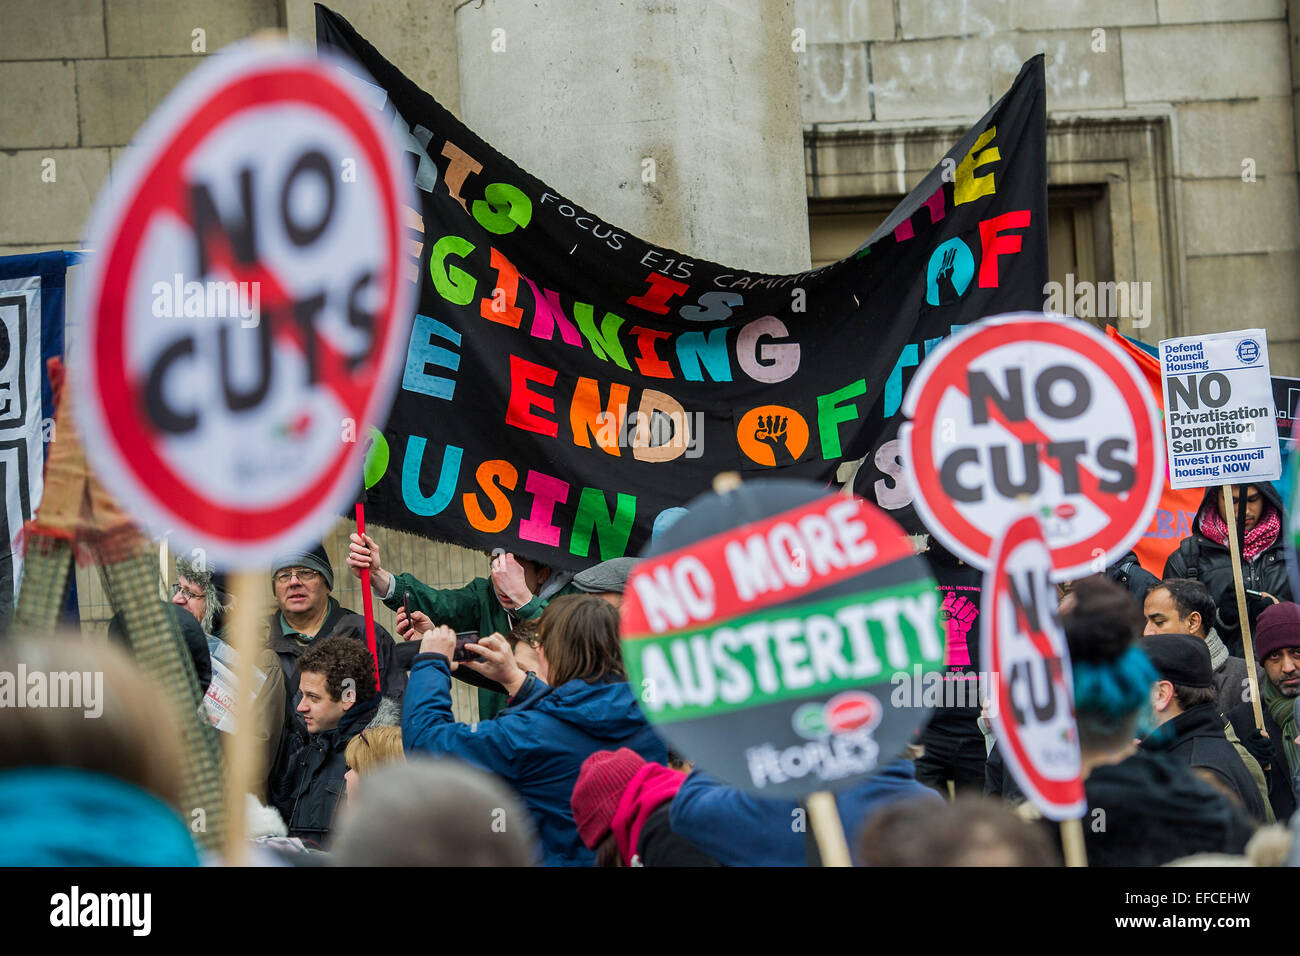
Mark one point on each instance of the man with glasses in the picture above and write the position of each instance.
(201, 591)
(302, 581)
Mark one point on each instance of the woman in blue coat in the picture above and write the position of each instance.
(578, 702)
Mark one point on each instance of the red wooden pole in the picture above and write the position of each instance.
(367, 604)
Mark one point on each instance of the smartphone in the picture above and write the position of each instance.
(460, 654)
(406, 603)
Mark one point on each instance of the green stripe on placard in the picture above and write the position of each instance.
(805, 650)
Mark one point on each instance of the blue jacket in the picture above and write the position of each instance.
(60, 816)
(738, 829)
(537, 744)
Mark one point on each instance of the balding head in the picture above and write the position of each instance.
(434, 813)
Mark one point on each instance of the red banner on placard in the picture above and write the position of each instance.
(767, 562)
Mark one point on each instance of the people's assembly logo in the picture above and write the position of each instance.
(772, 435)
(1057, 521)
(854, 711)
(1248, 351)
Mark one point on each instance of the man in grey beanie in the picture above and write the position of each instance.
(607, 580)
(306, 611)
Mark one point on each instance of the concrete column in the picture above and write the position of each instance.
(678, 121)
(416, 36)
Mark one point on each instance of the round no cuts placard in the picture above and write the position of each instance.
(245, 308)
(1023, 647)
(1029, 414)
(777, 636)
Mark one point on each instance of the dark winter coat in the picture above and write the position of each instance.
(1210, 563)
(661, 845)
(739, 829)
(394, 658)
(1129, 574)
(1150, 809)
(1280, 791)
(999, 781)
(191, 633)
(537, 744)
(1195, 738)
(307, 779)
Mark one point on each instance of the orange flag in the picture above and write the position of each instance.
(1177, 509)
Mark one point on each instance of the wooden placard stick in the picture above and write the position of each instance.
(249, 590)
(824, 817)
(1072, 842)
(1234, 546)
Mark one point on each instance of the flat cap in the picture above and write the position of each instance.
(608, 576)
(1181, 659)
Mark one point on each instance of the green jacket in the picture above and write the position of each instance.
(472, 608)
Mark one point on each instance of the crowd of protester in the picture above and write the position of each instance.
(361, 759)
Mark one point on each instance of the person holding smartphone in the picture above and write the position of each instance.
(577, 703)
(1204, 556)
(514, 589)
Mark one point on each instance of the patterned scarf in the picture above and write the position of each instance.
(1282, 709)
(1258, 538)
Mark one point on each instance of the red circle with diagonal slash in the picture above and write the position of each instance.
(945, 369)
(1059, 797)
(252, 81)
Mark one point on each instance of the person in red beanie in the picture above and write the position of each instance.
(621, 805)
(1277, 648)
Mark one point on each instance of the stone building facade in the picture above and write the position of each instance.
(1172, 123)
(783, 130)
(1172, 128)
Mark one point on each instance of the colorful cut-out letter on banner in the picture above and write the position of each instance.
(566, 382)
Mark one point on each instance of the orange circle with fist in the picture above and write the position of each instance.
(772, 435)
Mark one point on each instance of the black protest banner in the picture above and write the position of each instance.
(973, 262)
(566, 382)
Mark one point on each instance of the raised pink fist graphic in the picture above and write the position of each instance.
(960, 613)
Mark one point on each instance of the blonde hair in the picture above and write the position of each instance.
(373, 748)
